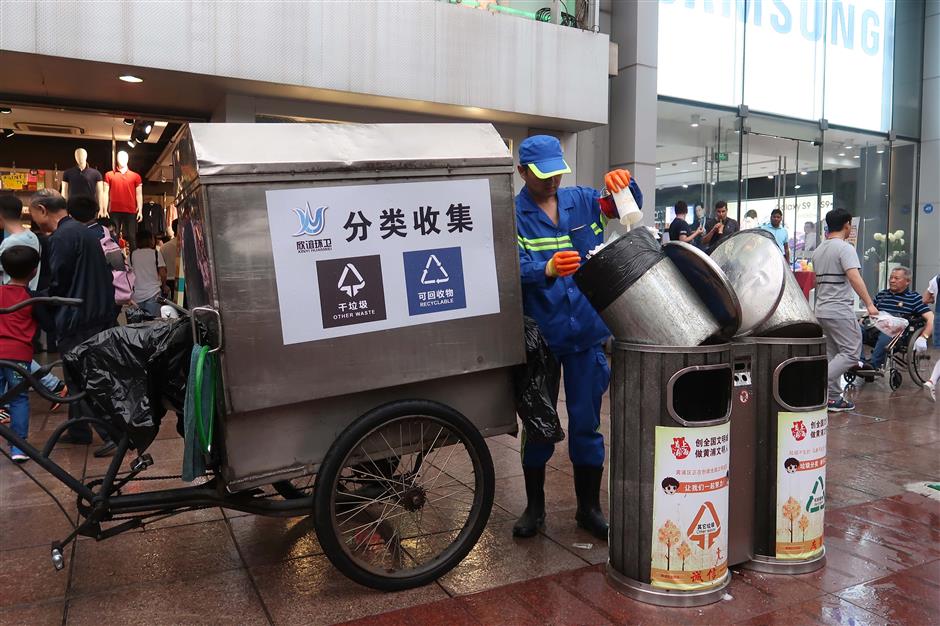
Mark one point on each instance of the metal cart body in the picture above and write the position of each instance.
(285, 403)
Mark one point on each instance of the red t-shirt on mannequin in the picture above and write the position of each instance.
(123, 190)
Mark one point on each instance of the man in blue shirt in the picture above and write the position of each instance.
(779, 231)
(557, 227)
(898, 300)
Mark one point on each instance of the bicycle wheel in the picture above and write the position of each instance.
(403, 495)
(920, 364)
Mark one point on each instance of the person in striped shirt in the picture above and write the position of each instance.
(900, 301)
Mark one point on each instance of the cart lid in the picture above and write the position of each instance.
(238, 149)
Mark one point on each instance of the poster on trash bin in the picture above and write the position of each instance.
(801, 484)
(690, 507)
(363, 258)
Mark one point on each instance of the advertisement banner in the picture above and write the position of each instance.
(690, 507)
(363, 258)
(801, 484)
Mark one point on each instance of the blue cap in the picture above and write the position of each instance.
(542, 153)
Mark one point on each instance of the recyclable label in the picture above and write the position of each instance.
(801, 484)
(690, 507)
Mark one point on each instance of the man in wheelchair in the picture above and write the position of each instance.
(897, 300)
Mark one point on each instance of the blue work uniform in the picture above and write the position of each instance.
(573, 329)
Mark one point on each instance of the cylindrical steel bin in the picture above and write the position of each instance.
(669, 458)
(793, 316)
(639, 293)
(790, 383)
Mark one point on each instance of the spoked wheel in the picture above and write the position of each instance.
(403, 495)
(894, 379)
(920, 364)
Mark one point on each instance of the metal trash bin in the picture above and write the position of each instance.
(743, 455)
(669, 457)
(789, 401)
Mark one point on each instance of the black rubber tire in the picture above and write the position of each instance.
(895, 379)
(484, 491)
(919, 375)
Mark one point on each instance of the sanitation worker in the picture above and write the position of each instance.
(557, 226)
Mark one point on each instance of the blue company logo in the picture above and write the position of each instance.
(312, 221)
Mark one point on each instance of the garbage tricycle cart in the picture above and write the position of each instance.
(360, 287)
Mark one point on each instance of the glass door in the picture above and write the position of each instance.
(780, 170)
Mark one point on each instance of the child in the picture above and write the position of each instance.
(16, 333)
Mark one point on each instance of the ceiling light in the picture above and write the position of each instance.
(848, 146)
(9, 133)
(770, 176)
(128, 121)
(802, 172)
(685, 186)
(695, 120)
(130, 78)
(131, 143)
(695, 161)
(148, 128)
(658, 166)
(842, 154)
(6, 110)
(796, 186)
(714, 183)
(880, 150)
(857, 156)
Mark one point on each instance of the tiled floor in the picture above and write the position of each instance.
(883, 543)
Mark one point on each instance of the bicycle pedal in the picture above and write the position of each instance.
(58, 559)
(141, 463)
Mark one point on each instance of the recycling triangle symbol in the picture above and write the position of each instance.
(351, 281)
(434, 273)
(817, 500)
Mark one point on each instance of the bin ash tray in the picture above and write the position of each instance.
(751, 259)
(710, 283)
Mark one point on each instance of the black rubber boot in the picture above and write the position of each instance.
(533, 517)
(587, 487)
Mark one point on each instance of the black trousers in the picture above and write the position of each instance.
(82, 408)
(126, 225)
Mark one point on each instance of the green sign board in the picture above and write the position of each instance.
(721, 156)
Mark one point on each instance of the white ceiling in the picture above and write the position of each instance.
(27, 120)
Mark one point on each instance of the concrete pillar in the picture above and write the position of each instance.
(634, 27)
(928, 227)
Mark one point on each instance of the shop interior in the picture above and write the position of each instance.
(703, 157)
(39, 144)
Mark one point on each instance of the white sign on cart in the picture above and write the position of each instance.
(364, 258)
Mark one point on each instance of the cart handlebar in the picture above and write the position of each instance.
(51, 300)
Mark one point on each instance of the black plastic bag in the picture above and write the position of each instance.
(536, 387)
(605, 276)
(130, 373)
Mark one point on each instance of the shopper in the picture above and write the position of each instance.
(170, 251)
(16, 334)
(837, 274)
(679, 229)
(556, 227)
(11, 221)
(930, 297)
(898, 300)
(776, 228)
(720, 227)
(699, 224)
(150, 274)
(78, 269)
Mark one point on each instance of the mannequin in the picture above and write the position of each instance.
(83, 180)
(125, 198)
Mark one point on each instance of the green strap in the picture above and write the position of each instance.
(205, 432)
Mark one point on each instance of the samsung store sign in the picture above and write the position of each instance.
(789, 44)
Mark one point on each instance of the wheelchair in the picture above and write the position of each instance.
(900, 356)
